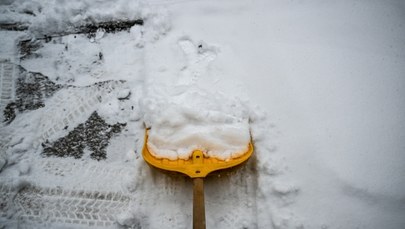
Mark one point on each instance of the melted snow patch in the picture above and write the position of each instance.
(194, 119)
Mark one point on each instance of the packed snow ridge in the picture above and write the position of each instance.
(193, 120)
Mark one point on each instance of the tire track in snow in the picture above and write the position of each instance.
(72, 105)
(51, 206)
(7, 85)
(239, 184)
(157, 192)
(7, 94)
(78, 169)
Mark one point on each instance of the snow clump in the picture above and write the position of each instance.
(194, 119)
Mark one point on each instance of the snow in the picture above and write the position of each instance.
(319, 87)
(194, 120)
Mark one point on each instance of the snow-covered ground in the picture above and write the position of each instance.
(320, 84)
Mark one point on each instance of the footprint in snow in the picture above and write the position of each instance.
(198, 57)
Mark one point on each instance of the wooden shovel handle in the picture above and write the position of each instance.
(198, 204)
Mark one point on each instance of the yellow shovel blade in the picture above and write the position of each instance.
(196, 166)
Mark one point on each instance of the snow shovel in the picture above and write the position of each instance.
(196, 167)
